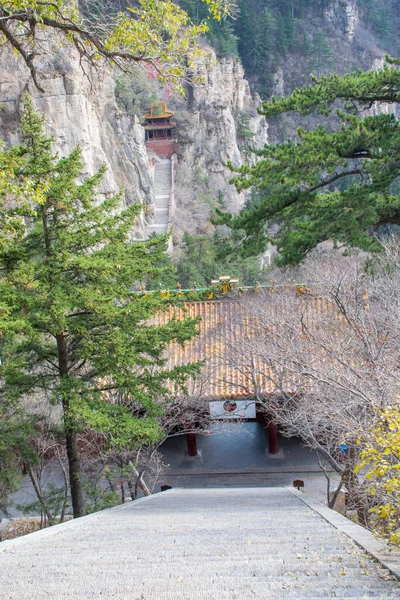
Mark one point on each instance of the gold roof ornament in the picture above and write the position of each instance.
(225, 284)
(234, 284)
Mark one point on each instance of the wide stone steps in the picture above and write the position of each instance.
(195, 544)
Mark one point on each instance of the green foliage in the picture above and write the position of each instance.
(321, 55)
(268, 30)
(243, 126)
(337, 184)
(220, 32)
(156, 33)
(53, 498)
(16, 433)
(73, 331)
(97, 497)
(379, 16)
(223, 38)
(202, 260)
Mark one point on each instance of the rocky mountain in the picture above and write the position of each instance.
(80, 108)
(217, 126)
(217, 122)
(341, 37)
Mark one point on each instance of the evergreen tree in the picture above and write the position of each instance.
(340, 184)
(17, 431)
(224, 39)
(203, 259)
(244, 27)
(321, 55)
(75, 332)
(379, 16)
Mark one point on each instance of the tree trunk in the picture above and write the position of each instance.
(75, 482)
(132, 490)
(139, 481)
(355, 498)
(40, 497)
(71, 441)
(273, 438)
(65, 479)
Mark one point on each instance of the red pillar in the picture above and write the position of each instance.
(191, 444)
(273, 438)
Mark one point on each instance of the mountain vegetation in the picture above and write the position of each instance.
(264, 33)
(339, 184)
(156, 34)
(74, 331)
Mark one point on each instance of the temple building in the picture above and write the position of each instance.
(159, 129)
(229, 333)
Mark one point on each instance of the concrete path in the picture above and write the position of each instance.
(220, 544)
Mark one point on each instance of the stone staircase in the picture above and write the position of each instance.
(162, 189)
(198, 544)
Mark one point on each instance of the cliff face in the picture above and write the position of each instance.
(216, 124)
(80, 108)
(344, 15)
(352, 44)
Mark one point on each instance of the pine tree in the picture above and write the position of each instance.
(75, 332)
(202, 259)
(321, 55)
(244, 27)
(340, 184)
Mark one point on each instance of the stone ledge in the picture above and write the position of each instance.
(377, 548)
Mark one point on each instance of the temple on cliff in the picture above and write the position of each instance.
(159, 129)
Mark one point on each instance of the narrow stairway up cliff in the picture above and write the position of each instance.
(162, 192)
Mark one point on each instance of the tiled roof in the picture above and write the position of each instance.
(159, 110)
(226, 329)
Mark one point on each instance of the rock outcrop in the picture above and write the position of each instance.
(80, 108)
(217, 124)
(344, 15)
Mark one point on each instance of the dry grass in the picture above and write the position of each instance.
(22, 526)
